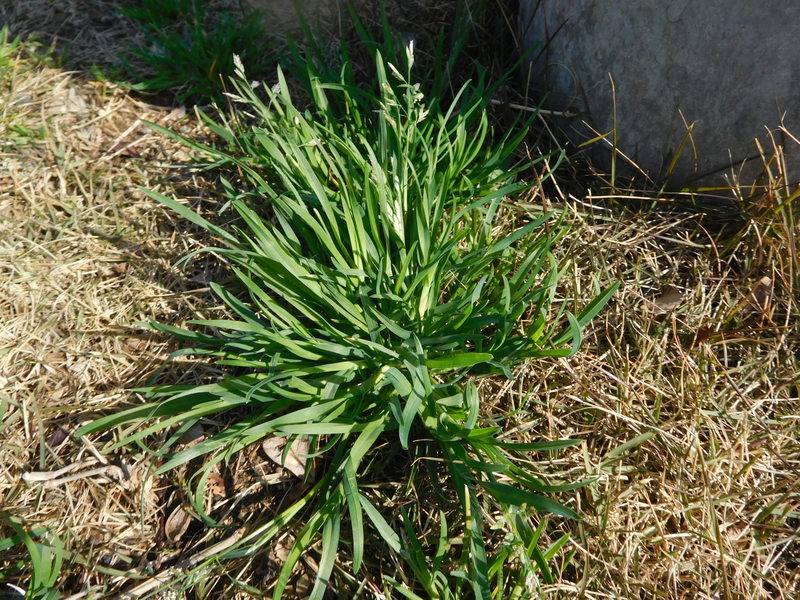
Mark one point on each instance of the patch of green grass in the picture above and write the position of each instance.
(13, 132)
(8, 51)
(43, 559)
(378, 272)
(21, 135)
(189, 50)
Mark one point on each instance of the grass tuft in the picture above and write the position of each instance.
(684, 394)
(380, 286)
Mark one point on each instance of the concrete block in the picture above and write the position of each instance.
(730, 67)
(281, 15)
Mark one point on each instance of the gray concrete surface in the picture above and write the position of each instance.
(732, 67)
(282, 15)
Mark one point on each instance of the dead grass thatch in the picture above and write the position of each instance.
(84, 256)
(686, 396)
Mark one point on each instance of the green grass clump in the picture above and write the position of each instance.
(189, 51)
(377, 273)
(8, 51)
(44, 560)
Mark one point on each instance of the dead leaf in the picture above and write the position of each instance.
(280, 551)
(137, 344)
(295, 461)
(703, 333)
(216, 485)
(304, 571)
(57, 437)
(761, 294)
(757, 300)
(125, 150)
(670, 298)
(177, 523)
(119, 268)
(192, 436)
(275, 478)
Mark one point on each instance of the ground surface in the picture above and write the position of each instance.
(685, 395)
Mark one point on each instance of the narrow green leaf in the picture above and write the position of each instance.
(399, 381)
(301, 544)
(386, 532)
(191, 216)
(629, 445)
(589, 312)
(537, 446)
(458, 360)
(514, 496)
(479, 568)
(330, 545)
(352, 496)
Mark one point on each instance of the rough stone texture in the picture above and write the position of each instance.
(281, 15)
(733, 67)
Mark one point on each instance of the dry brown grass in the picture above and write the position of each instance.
(83, 256)
(686, 394)
(82, 32)
(687, 397)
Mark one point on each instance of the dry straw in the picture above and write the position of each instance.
(688, 409)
